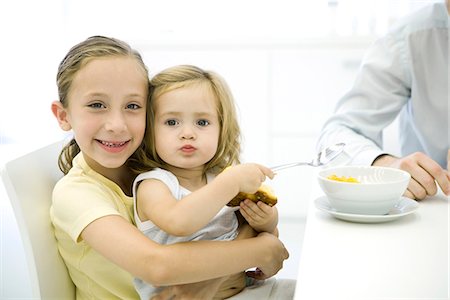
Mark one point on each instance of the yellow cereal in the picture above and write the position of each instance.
(343, 178)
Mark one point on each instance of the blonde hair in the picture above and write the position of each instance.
(77, 57)
(228, 150)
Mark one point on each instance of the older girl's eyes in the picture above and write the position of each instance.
(203, 123)
(133, 106)
(99, 105)
(96, 105)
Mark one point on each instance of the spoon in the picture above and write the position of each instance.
(323, 158)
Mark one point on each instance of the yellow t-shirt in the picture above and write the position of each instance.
(79, 198)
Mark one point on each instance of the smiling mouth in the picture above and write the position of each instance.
(112, 144)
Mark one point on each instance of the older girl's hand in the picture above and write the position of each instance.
(273, 259)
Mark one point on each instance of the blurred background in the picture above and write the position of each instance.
(287, 63)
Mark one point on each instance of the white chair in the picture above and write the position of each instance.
(29, 181)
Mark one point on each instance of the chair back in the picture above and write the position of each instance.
(29, 182)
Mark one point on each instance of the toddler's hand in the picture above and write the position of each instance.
(249, 176)
(260, 216)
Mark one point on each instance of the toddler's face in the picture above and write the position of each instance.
(187, 127)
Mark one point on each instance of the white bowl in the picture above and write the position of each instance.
(378, 190)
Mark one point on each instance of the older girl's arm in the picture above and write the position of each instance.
(122, 243)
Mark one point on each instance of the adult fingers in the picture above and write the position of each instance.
(444, 183)
(425, 172)
(415, 190)
(437, 173)
(448, 160)
(447, 173)
(421, 183)
(408, 194)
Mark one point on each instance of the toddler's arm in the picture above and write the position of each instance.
(185, 216)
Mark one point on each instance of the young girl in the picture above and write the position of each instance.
(193, 137)
(103, 92)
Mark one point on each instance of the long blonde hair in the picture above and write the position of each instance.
(228, 151)
(77, 57)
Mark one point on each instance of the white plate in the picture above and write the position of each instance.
(403, 208)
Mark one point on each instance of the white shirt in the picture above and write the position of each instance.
(223, 226)
(406, 73)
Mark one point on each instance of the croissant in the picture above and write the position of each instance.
(264, 194)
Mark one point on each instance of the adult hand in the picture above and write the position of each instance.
(448, 163)
(448, 168)
(424, 171)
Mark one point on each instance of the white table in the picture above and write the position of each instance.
(407, 258)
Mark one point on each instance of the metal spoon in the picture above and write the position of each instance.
(322, 158)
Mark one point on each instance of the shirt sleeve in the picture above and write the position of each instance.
(381, 89)
(77, 204)
(162, 175)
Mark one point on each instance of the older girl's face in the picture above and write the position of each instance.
(187, 127)
(106, 110)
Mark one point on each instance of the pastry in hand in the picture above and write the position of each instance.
(264, 194)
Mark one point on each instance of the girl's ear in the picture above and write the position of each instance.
(61, 115)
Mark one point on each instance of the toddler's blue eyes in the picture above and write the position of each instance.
(171, 122)
(202, 122)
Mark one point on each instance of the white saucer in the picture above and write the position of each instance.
(405, 207)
